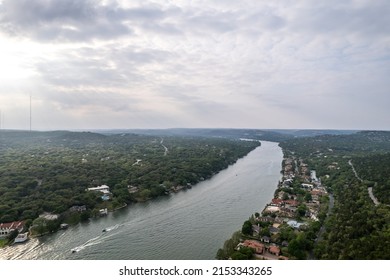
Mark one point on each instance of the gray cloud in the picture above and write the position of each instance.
(205, 63)
(64, 20)
(370, 18)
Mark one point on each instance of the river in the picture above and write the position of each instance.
(189, 225)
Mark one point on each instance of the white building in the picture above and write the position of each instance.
(103, 188)
(7, 228)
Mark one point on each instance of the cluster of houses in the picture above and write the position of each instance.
(6, 230)
(286, 209)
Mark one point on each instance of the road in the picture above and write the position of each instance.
(370, 193)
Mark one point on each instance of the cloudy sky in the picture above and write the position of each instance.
(205, 63)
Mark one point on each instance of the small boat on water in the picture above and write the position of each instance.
(22, 237)
(73, 250)
(104, 230)
(64, 226)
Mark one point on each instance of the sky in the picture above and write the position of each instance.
(206, 63)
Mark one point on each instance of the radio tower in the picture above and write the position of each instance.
(30, 112)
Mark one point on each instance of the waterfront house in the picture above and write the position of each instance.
(255, 229)
(266, 219)
(256, 245)
(103, 212)
(7, 228)
(276, 202)
(271, 209)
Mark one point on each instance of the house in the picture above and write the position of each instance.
(255, 229)
(132, 189)
(291, 202)
(276, 202)
(7, 228)
(307, 186)
(265, 239)
(103, 212)
(290, 209)
(272, 209)
(49, 216)
(103, 188)
(256, 245)
(288, 183)
(266, 219)
(275, 250)
(273, 230)
(281, 194)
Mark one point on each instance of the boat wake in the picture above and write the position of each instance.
(98, 239)
(90, 242)
(111, 228)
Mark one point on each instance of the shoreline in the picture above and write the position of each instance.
(33, 237)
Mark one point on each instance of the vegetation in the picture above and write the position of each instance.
(50, 171)
(357, 228)
(349, 223)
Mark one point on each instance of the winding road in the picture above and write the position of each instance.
(165, 148)
(370, 193)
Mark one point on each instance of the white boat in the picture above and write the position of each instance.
(22, 237)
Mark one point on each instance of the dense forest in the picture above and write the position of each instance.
(50, 171)
(357, 228)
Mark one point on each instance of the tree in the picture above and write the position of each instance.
(245, 253)
(302, 210)
(308, 197)
(295, 249)
(247, 228)
(12, 235)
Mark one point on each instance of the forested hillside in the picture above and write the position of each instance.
(50, 171)
(357, 227)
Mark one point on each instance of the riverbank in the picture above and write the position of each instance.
(206, 214)
(288, 225)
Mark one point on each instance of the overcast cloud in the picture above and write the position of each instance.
(159, 64)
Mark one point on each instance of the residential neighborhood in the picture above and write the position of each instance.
(293, 217)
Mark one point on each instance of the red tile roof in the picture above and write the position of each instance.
(274, 250)
(12, 225)
(277, 201)
(259, 247)
(292, 202)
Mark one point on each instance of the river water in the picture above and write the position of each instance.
(189, 225)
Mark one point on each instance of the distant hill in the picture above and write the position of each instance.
(275, 135)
